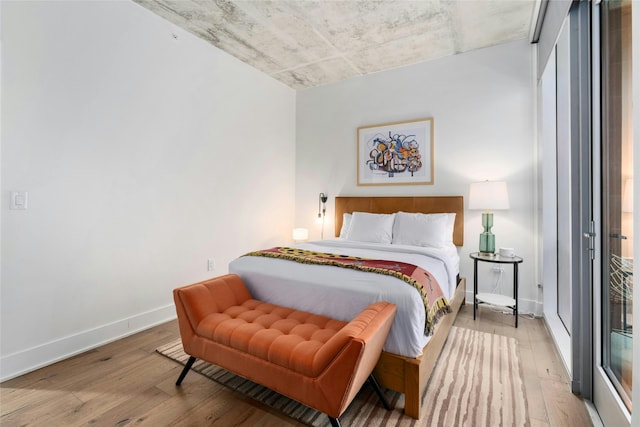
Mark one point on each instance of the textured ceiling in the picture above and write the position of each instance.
(306, 43)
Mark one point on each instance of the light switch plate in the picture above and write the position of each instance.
(19, 200)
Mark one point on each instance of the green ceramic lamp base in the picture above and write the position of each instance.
(487, 238)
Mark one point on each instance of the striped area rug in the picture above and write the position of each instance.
(476, 382)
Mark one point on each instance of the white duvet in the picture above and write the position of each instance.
(341, 293)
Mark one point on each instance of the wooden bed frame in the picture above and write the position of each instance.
(404, 374)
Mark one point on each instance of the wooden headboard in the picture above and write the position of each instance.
(388, 205)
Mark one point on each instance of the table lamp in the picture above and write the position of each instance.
(300, 234)
(488, 196)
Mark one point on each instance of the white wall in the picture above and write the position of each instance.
(483, 105)
(143, 156)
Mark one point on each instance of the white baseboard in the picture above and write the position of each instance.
(525, 306)
(22, 362)
(561, 339)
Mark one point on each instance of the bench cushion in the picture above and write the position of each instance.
(290, 338)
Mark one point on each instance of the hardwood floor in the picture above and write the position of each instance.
(549, 396)
(127, 383)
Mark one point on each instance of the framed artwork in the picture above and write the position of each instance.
(396, 153)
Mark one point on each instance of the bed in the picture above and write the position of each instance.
(409, 356)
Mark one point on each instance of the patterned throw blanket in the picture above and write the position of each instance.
(435, 303)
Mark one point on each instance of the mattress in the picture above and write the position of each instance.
(342, 293)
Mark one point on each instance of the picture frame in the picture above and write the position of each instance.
(400, 153)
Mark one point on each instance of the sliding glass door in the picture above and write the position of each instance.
(586, 129)
(614, 255)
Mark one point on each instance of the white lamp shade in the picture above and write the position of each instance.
(488, 195)
(627, 197)
(300, 234)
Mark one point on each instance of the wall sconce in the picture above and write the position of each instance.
(322, 209)
(488, 195)
(300, 234)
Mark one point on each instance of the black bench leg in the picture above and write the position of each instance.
(376, 387)
(185, 370)
(372, 380)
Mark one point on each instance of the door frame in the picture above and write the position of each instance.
(581, 224)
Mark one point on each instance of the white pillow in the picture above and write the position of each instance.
(368, 227)
(434, 230)
(346, 222)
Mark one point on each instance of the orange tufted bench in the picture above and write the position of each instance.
(317, 361)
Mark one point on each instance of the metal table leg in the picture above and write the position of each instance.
(475, 287)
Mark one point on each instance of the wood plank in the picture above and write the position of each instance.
(563, 407)
(126, 411)
(535, 397)
(44, 407)
(195, 391)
